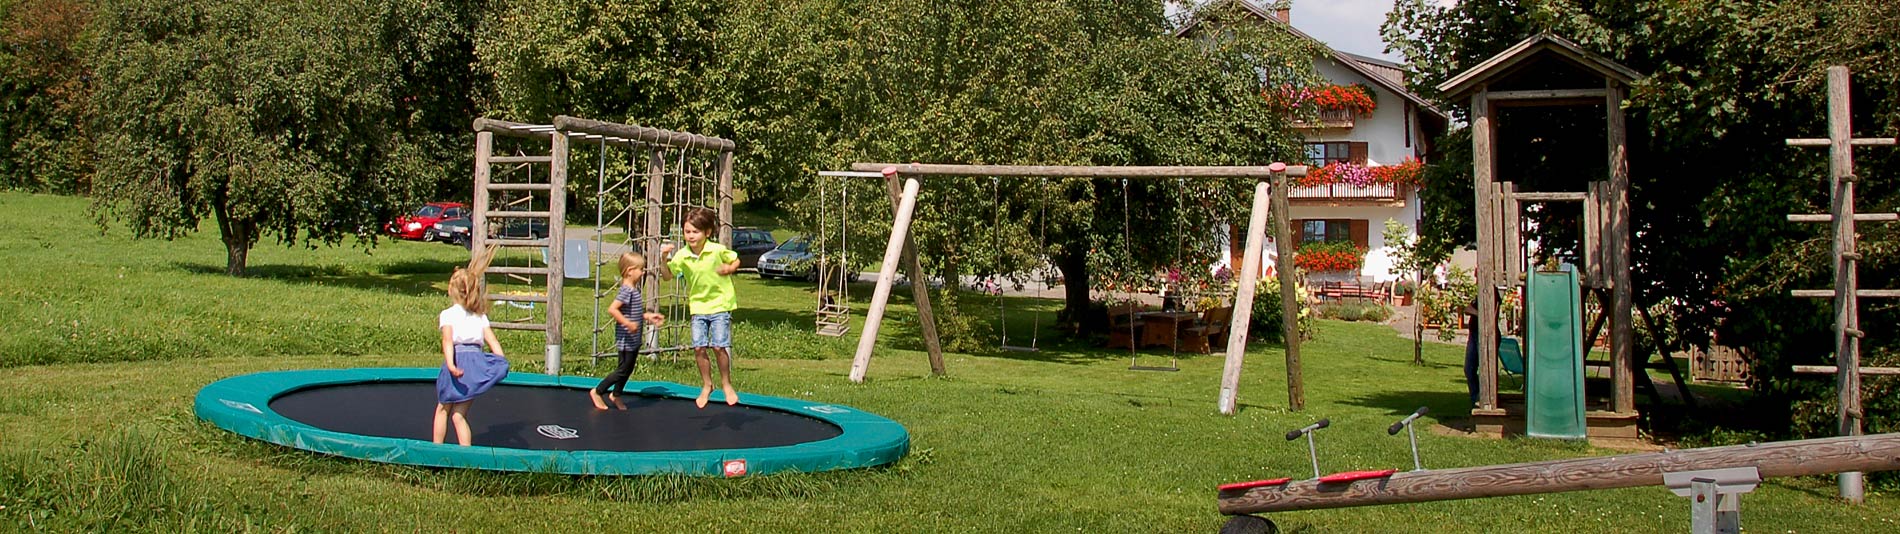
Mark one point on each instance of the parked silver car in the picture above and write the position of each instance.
(793, 259)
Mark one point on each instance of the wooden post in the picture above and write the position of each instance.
(655, 223)
(1484, 170)
(478, 217)
(1617, 257)
(1593, 238)
(1773, 459)
(893, 251)
(1243, 301)
(725, 197)
(1840, 134)
(1289, 292)
(557, 246)
(919, 288)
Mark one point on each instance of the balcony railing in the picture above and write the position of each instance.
(1328, 118)
(1376, 192)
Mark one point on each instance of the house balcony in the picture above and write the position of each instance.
(1381, 195)
(1328, 119)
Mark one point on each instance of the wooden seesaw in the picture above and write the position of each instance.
(1713, 477)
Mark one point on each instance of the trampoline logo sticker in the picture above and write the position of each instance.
(241, 406)
(827, 409)
(557, 431)
(735, 468)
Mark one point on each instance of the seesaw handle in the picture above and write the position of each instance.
(1394, 429)
(1293, 435)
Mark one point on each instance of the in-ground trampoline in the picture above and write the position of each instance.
(533, 422)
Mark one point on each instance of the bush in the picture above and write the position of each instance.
(1265, 324)
(1360, 310)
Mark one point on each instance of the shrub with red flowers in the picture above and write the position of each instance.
(1356, 175)
(1330, 256)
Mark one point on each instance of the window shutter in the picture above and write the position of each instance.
(1297, 233)
(1359, 232)
(1356, 152)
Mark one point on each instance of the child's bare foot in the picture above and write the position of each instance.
(705, 394)
(732, 397)
(615, 398)
(598, 405)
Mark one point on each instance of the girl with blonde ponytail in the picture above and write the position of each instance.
(467, 371)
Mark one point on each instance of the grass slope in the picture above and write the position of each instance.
(108, 339)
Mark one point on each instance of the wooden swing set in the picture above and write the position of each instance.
(901, 183)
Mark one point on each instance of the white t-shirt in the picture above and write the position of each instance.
(465, 327)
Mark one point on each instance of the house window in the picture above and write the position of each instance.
(1320, 154)
(1325, 230)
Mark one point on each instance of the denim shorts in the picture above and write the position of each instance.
(713, 330)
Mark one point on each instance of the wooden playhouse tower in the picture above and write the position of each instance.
(1546, 71)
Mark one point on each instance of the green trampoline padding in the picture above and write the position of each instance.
(534, 422)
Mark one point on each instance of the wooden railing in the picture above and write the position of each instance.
(1349, 192)
(1328, 118)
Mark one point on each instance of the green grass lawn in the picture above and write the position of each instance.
(107, 339)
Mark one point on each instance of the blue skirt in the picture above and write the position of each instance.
(480, 371)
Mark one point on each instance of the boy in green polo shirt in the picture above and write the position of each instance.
(707, 269)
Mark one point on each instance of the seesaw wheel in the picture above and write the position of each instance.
(1249, 524)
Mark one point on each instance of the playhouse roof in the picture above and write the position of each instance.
(1517, 55)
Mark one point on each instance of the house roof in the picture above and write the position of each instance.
(1504, 62)
(1357, 64)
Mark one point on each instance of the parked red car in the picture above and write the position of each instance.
(413, 225)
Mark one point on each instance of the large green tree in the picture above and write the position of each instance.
(1712, 180)
(43, 95)
(302, 121)
(1015, 82)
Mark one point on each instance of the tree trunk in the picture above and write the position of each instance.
(1074, 264)
(238, 237)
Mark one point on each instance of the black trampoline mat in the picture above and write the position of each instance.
(552, 418)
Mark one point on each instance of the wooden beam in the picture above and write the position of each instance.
(1596, 95)
(1484, 172)
(1229, 400)
(557, 248)
(1773, 459)
(1829, 293)
(1831, 369)
(1289, 293)
(1052, 171)
(513, 129)
(1549, 197)
(1858, 217)
(1840, 132)
(1877, 141)
(656, 136)
(919, 288)
(1622, 298)
(881, 296)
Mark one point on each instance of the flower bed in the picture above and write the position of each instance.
(1355, 98)
(1334, 256)
(1408, 173)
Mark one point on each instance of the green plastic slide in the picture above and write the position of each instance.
(1553, 388)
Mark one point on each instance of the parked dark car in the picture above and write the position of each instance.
(453, 231)
(751, 243)
(456, 231)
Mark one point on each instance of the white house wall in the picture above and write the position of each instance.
(1384, 132)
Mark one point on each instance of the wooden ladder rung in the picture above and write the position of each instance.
(499, 160)
(518, 215)
(518, 298)
(504, 325)
(1831, 369)
(1829, 293)
(1858, 217)
(519, 187)
(542, 271)
(518, 242)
